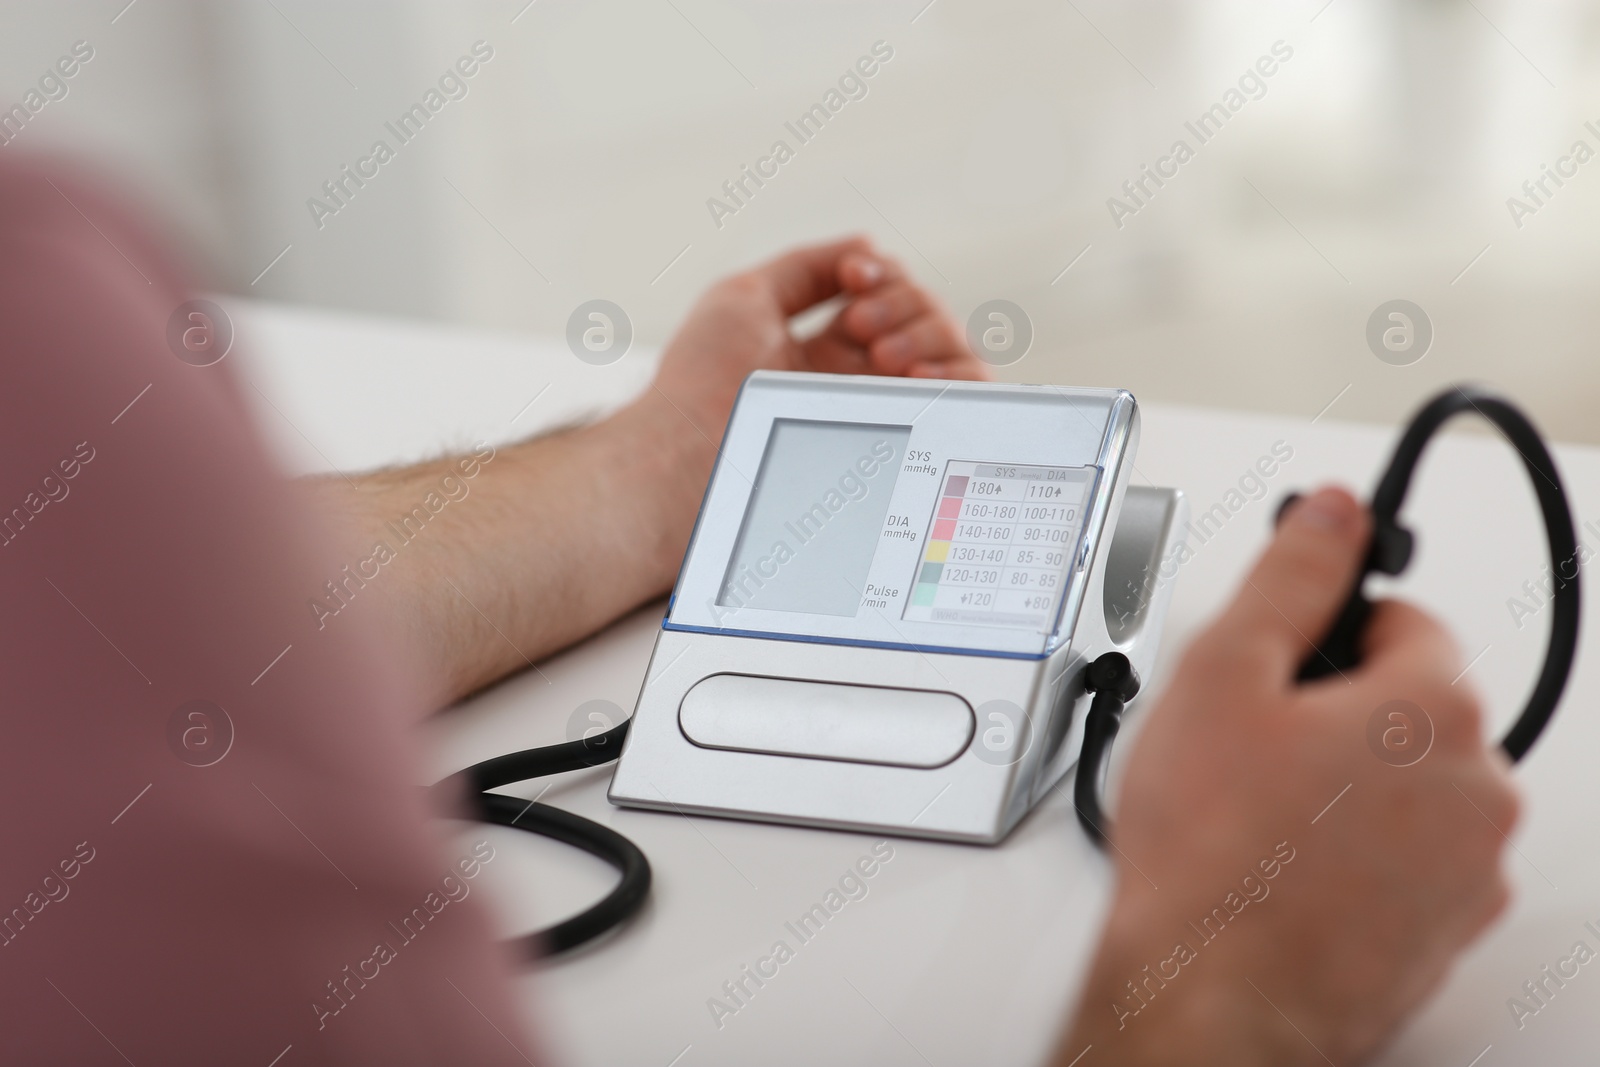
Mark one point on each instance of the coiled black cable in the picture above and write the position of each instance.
(1392, 545)
(629, 894)
(1389, 553)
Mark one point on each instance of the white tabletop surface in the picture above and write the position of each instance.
(957, 955)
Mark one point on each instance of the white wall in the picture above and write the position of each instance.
(1377, 165)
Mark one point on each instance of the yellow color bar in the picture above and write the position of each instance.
(937, 551)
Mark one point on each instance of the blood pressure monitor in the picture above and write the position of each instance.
(899, 596)
(892, 591)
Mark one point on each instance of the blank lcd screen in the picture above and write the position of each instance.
(815, 518)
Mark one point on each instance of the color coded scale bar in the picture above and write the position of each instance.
(944, 528)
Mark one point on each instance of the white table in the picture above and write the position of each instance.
(958, 955)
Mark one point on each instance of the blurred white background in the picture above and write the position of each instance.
(1376, 164)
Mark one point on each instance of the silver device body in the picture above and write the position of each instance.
(873, 723)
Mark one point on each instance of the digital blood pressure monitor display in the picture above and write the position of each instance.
(883, 512)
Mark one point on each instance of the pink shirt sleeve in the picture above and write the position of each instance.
(215, 845)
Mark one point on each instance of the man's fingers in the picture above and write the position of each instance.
(960, 368)
(1409, 657)
(882, 310)
(807, 276)
(1296, 588)
(903, 330)
(929, 346)
(830, 352)
(929, 337)
(862, 269)
(1405, 637)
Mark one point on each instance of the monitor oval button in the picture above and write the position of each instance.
(826, 720)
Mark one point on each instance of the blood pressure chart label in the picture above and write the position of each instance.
(1001, 544)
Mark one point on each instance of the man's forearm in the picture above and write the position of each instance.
(553, 539)
(545, 543)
